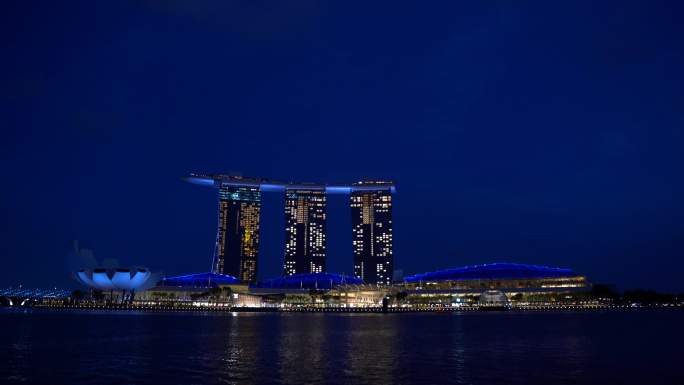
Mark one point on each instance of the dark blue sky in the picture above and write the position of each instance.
(540, 133)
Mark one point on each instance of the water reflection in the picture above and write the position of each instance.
(510, 348)
(18, 354)
(242, 352)
(371, 348)
(303, 345)
(457, 350)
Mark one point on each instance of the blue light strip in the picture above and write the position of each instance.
(200, 181)
(493, 271)
(199, 280)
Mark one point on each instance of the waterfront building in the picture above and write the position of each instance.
(120, 283)
(490, 286)
(304, 290)
(305, 244)
(203, 289)
(237, 238)
(372, 233)
(125, 279)
(309, 281)
(518, 282)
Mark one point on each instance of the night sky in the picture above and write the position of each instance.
(545, 133)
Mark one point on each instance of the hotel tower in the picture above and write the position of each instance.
(304, 231)
(237, 237)
(372, 234)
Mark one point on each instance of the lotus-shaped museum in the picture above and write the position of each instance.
(132, 279)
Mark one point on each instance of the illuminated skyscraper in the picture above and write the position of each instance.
(237, 239)
(304, 231)
(372, 232)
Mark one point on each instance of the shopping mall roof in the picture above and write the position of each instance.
(322, 281)
(203, 280)
(493, 271)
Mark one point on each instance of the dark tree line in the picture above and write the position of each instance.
(640, 296)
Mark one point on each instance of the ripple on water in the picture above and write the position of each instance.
(523, 348)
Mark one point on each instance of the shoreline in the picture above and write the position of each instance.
(315, 309)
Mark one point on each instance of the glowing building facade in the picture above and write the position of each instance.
(372, 234)
(304, 231)
(237, 238)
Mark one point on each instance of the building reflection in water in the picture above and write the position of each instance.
(294, 348)
(458, 354)
(242, 354)
(17, 358)
(303, 348)
(371, 348)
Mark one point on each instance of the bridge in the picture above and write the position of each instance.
(19, 296)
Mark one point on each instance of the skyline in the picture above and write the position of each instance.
(239, 215)
(515, 133)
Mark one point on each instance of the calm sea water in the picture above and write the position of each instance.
(606, 347)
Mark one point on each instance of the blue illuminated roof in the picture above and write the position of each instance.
(493, 271)
(321, 281)
(199, 280)
(220, 180)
